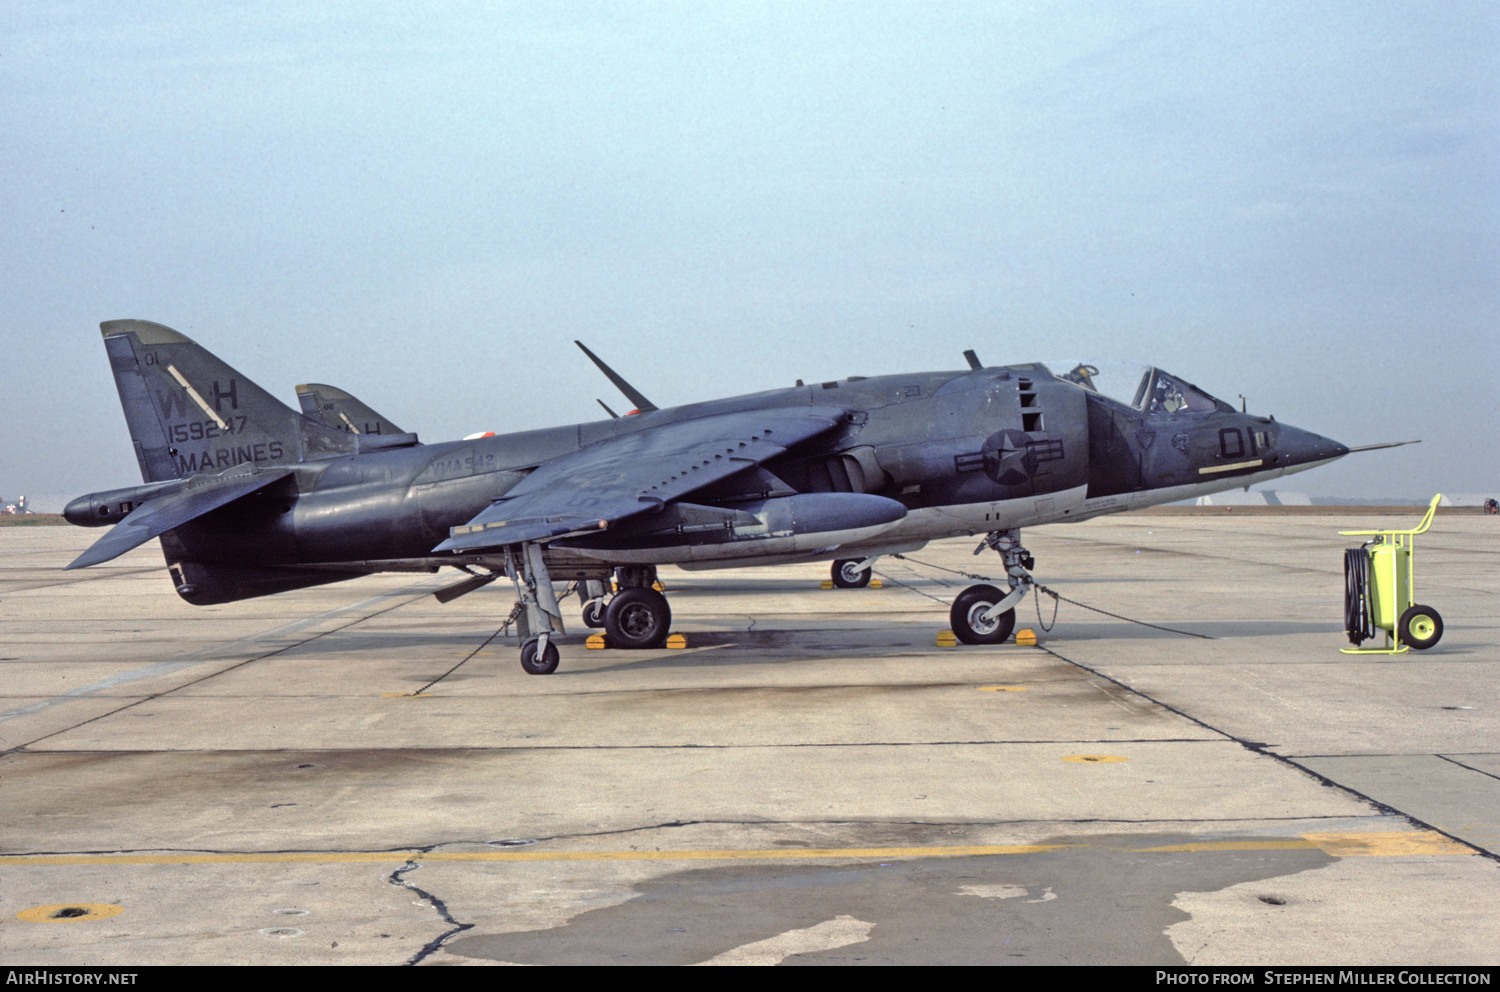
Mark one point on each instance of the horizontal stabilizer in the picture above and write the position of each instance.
(156, 517)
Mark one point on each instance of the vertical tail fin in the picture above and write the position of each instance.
(342, 411)
(190, 413)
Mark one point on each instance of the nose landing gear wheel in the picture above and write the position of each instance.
(545, 665)
(1420, 627)
(847, 576)
(637, 618)
(970, 626)
(593, 613)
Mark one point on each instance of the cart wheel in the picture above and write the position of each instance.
(1420, 627)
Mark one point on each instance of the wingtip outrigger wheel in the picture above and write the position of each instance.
(983, 614)
(540, 617)
(539, 656)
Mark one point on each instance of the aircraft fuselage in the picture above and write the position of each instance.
(961, 452)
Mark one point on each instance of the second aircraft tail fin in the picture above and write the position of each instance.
(341, 410)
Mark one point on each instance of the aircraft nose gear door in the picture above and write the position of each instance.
(542, 618)
(983, 614)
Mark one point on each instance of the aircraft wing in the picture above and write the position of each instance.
(156, 517)
(629, 474)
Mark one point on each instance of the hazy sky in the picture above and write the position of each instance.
(425, 204)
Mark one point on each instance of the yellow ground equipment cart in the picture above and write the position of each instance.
(1378, 591)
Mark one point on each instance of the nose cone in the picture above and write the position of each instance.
(80, 511)
(1304, 449)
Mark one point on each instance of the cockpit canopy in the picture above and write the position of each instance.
(1141, 387)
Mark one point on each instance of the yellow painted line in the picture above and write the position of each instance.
(1423, 842)
(729, 855)
(1340, 845)
(1233, 845)
(70, 912)
(1346, 845)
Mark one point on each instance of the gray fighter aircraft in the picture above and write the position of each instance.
(251, 498)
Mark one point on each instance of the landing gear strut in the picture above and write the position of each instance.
(593, 603)
(635, 617)
(983, 614)
(541, 618)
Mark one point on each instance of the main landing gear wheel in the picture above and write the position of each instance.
(545, 665)
(847, 576)
(1420, 627)
(968, 624)
(593, 613)
(637, 618)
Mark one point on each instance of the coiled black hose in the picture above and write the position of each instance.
(1358, 621)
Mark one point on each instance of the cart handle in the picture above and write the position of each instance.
(1420, 529)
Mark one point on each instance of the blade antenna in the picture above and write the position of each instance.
(631, 393)
(607, 410)
(974, 362)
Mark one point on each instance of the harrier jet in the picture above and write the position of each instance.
(250, 497)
